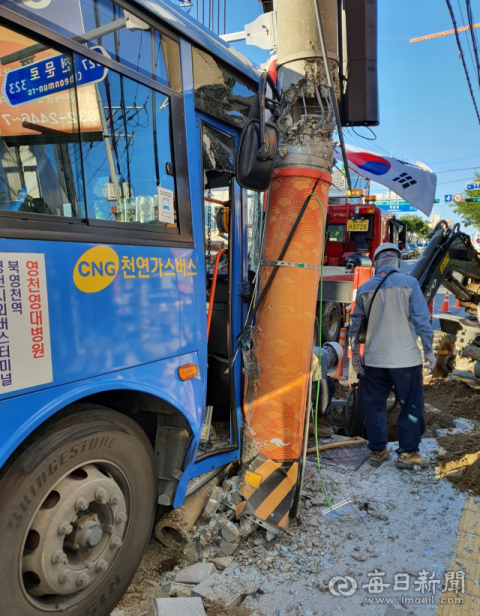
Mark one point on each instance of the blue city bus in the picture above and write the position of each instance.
(119, 122)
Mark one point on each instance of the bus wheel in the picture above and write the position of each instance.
(331, 321)
(77, 508)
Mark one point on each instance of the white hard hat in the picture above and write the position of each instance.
(387, 246)
(337, 348)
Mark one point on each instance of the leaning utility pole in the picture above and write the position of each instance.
(277, 396)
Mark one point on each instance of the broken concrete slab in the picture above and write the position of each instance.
(230, 532)
(222, 563)
(213, 503)
(175, 589)
(228, 548)
(195, 574)
(179, 607)
(226, 588)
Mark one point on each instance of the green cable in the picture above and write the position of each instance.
(319, 355)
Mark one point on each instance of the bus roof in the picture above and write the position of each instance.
(188, 27)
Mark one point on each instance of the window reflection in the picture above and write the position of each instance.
(124, 37)
(40, 169)
(128, 172)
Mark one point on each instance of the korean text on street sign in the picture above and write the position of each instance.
(392, 202)
(397, 208)
(473, 186)
(47, 77)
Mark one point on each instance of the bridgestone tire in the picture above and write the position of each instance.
(90, 434)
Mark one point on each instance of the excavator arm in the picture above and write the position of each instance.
(450, 252)
(450, 259)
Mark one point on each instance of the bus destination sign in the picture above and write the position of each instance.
(50, 76)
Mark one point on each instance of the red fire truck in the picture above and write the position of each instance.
(354, 231)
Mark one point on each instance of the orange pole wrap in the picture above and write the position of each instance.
(276, 400)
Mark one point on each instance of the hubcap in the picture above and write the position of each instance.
(75, 535)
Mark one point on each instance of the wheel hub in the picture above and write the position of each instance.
(75, 535)
(88, 532)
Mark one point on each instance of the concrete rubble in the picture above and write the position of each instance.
(179, 607)
(392, 521)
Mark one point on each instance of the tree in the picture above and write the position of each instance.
(470, 212)
(416, 225)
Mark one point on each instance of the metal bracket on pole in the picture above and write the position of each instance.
(332, 91)
(261, 33)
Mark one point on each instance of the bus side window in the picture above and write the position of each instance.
(40, 169)
(127, 153)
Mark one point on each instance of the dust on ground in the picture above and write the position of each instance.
(146, 587)
(216, 608)
(459, 460)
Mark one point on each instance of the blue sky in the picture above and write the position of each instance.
(426, 112)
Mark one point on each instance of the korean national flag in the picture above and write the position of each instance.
(415, 183)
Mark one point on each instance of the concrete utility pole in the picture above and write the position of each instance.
(278, 380)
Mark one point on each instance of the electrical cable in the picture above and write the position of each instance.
(363, 136)
(466, 34)
(458, 169)
(317, 398)
(459, 45)
(474, 37)
(273, 272)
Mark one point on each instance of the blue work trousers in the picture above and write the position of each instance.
(408, 384)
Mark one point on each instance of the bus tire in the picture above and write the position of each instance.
(77, 508)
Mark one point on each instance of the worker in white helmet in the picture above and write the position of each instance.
(392, 314)
(331, 354)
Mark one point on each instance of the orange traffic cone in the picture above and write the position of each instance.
(342, 341)
(446, 303)
(457, 304)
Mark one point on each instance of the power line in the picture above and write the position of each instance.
(468, 42)
(450, 9)
(474, 38)
(455, 180)
(457, 169)
(454, 160)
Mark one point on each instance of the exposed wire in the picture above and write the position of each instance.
(468, 42)
(317, 397)
(474, 38)
(363, 136)
(458, 169)
(459, 44)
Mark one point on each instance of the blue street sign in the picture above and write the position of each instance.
(30, 83)
(392, 209)
(473, 186)
(448, 198)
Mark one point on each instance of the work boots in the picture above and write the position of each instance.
(378, 457)
(409, 460)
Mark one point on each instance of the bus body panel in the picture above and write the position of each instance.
(154, 324)
(149, 318)
(160, 379)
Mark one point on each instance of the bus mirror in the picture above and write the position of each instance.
(255, 160)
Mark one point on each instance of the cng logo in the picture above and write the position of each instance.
(37, 4)
(96, 269)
